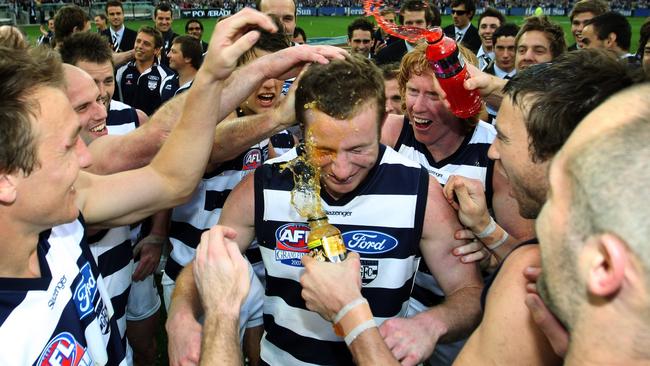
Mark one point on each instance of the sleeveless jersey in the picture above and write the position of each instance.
(469, 160)
(121, 118)
(65, 316)
(388, 245)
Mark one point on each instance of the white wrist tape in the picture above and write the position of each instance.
(488, 230)
(347, 308)
(358, 330)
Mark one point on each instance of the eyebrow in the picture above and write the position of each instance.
(500, 135)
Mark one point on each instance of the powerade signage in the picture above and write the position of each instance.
(205, 13)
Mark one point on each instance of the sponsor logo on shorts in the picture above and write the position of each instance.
(369, 242)
(64, 350)
(291, 243)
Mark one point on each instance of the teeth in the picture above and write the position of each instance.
(421, 120)
(266, 96)
(98, 128)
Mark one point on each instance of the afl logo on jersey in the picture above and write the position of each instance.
(252, 159)
(291, 243)
(369, 242)
(63, 350)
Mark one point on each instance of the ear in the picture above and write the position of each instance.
(607, 259)
(7, 188)
(610, 41)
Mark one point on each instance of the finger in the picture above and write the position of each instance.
(468, 248)
(548, 324)
(410, 360)
(307, 260)
(399, 351)
(464, 234)
(137, 248)
(228, 232)
(240, 46)
(246, 18)
(137, 274)
(532, 273)
(474, 257)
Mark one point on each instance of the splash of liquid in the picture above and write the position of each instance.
(305, 195)
(409, 33)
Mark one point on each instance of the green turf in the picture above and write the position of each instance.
(337, 26)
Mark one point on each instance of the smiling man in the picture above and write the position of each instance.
(358, 180)
(488, 22)
(539, 40)
(139, 81)
(583, 11)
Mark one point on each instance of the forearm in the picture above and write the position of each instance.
(160, 223)
(457, 317)
(220, 340)
(185, 298)
(114, 154)
(188, 147)
(243, 81)
(369, 348)
(234, 136)
(120, 58)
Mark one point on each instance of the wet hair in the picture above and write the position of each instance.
(352, 83)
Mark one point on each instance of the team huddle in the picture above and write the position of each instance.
(514, 236)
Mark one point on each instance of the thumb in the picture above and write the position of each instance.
(240, 46)
(307, 260)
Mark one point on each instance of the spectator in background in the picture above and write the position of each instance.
(284, 9)
(360, 37)
(582, 11)
(503, 66)
(463, 31)
(185, 59)
(539, 40)
(644, 48)
(163, 18)
(119, 36)
(101, 22)
(610, 31)
(391, 88)
(488, 22)
(299, 36)
(194, 28)
(47, 36)
(383, 39)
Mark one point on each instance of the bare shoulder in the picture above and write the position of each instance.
(506, 315)
(391, 129)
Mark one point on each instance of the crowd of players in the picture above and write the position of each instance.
(515, 236)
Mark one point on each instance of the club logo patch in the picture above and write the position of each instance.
(369, 270)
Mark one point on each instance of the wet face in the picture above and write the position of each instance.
(428, 115)
(510, 150)
(360, 42)
(115, 16)
(345, 150)
(102, 74)
(533, 48)
(283, 9)
(415, 18)
(87, 102)
(560, 281)
(176, 58)
(461, 16)
(194, 30)
(393, 98)
(590, 39)
(163, 20)
(504, 53)
(486, 29)
(100, 23)
(145, 49)
(577, 24)
(61, 154)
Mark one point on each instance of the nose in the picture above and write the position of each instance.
(419, 105)
(269, 84)
(99, 110)
(83, 155)
(493, 153)
(341, 167)
(528, 55)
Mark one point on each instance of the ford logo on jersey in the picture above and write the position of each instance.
(63, 350)
(85, 292)
(369, 242)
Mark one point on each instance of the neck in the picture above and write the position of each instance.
(448, 143)
(186, 74)
(143, 65)
(18, 256)
(117, 29)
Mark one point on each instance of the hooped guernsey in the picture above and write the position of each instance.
(64, 317)
(381, 220)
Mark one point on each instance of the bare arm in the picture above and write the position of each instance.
(412, 340)
(507, 334)
(120, 58)
(159, 185)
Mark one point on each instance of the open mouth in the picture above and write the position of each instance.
(266, 99)
(100, 129)
(421, 122)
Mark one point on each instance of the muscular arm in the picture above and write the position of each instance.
(507, 334)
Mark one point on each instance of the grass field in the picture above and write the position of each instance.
(337, 26)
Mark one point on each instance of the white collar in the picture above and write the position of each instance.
(463, 30)
(501, 74)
